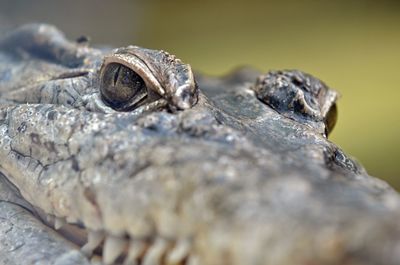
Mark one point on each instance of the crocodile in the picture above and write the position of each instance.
(127, 156)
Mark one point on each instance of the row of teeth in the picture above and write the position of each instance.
(134, 251)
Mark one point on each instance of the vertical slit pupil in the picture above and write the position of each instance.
(117, 73)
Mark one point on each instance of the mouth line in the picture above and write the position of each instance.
(123, 249)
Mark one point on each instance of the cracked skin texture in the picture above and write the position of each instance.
(227, 178)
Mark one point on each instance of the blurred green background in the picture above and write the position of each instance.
(354, 46)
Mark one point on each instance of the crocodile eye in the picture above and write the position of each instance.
(330, 119)
(132, 77)
(121, 88)
(300, 97)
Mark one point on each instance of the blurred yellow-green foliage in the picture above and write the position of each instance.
(354, 46)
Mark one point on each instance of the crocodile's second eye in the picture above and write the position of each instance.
(300, 97)
(121, 88)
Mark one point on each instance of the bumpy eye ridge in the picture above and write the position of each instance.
(121, 88)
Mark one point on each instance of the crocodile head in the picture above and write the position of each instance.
(136, 159)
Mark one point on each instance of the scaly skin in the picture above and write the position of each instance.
(203, 174)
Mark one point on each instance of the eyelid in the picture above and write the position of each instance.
(136, 64)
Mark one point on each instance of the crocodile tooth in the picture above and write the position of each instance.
(155, 252)
(136, 249)
(59, 222)
(95, 260)
(50, 218)
(113, 247)
(193, 260)
(179, 252)
(72, 220)
(94, 240)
